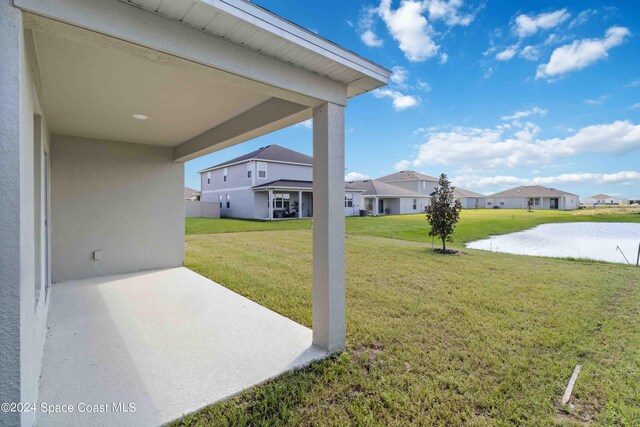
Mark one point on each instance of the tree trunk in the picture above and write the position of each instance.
(444, 244)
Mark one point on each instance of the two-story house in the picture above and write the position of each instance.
(271, 182)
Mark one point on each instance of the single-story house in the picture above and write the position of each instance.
(601, 199)
(102, 103)
(542, 198)
(380, 198)
(469, 199)
(191, 194)
(272, 182)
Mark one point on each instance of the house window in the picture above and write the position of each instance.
(348, 200)
(281, 201)
(208, 177)
(415, 204)
(249, 170)
(501, 202)
(536, 201)
(424, 185)
(228, 201)
(488, 203)
(220, 200)
(262, 170)
(224, 175)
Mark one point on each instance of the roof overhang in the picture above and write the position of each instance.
(278, 70)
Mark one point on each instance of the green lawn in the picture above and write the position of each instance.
(481, 338)
(474, 223)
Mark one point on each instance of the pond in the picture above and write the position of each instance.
(604, 241)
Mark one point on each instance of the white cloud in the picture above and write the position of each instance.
(491, 148)
(366, 27)
(400, 100)
(409, 26)
(530, 53)
(522, 114)
(526, 25)
(482, 182)
(423, 86)
(410, 29)
(633, 83)
(508, 53)
(581, 53)
(370, 38)
(402, 165)
(636, 105)
(597, 101)
(354, 176)
(448, 11)
(399, 75)
(582, 18)
(443, 58)
(307, 124)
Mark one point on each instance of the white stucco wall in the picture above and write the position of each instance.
(125, 200)
(22, 141)
(470, 202)
(564, 203)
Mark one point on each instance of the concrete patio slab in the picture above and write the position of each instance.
(167, 341)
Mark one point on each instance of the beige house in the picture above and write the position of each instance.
(541, 197)
(102, 103)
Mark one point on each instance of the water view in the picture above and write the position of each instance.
(604, 241)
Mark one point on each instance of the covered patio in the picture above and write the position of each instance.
(169, 341)
(110, 98)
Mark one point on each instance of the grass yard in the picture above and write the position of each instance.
(481, 338)
(474, 223)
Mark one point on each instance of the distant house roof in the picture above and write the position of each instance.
(189, 192)
(532, 191)
(461, 192)
(603, 196)
(272, 152)
(406, 176)
(290, 183)
(372, 187)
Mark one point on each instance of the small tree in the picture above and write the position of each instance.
(444, 211)
(530, 204)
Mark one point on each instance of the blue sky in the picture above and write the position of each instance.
(493, 93)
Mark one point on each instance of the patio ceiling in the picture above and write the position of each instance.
(92, 85)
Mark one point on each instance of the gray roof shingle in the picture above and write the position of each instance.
(372, 187)
(406, 176)
(272, 152)
(532, 191)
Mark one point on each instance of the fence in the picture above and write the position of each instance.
(201, 209)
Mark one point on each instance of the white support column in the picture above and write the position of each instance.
(270, 197)
(329, 322)
(300, 204)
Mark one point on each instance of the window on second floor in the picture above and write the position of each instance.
(224, 174)
(249, 167)
(348, 200)
(262, 170)
(424, 185)
(208, 177)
